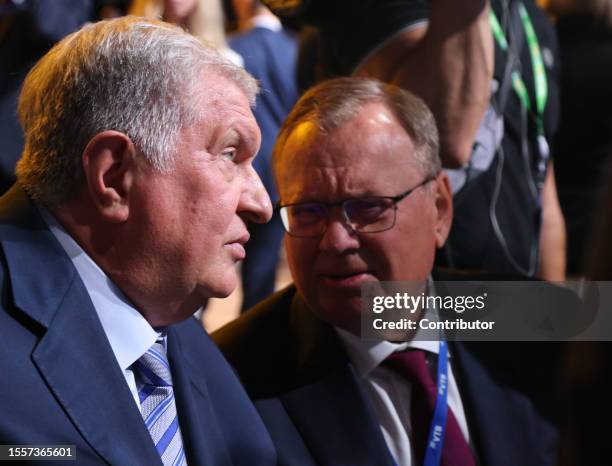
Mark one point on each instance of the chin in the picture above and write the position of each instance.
(222, 287)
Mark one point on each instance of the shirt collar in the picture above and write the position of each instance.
(367, 355)
(127, 331)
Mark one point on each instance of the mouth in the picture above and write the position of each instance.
(237, 251)
(236, 246)
(347, 280)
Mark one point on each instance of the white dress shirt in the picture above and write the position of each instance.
(390, 393)
(127, 331)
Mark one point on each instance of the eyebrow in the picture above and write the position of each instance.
(231, 136)
(365, 193)
(223, 136)
(235, 133)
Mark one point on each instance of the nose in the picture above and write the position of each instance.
(339, 238)
(255, 205)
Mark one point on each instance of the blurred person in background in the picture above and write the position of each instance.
(494, 139)
(585, 439)
(584, 141)
(28, 29)
(202, 18)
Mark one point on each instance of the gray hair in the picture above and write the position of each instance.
(132, 75)
(333, 103)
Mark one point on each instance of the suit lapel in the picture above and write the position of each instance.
(73, 355)
(330, 408)
(336, 421)
(75, 359)
(192, 398)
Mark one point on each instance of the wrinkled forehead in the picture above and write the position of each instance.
(370, 150)
(214, 93)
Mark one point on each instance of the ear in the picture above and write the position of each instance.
(109, 164)
(444, 208)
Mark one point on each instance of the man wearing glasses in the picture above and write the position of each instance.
(363, 199)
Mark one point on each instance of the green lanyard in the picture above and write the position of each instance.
(539, 73)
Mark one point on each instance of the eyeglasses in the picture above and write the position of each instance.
(365, 215)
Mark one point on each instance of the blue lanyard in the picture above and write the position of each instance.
(435, 441)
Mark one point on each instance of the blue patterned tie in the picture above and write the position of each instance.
(154, 383)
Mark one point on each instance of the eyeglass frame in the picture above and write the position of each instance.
(347, 221)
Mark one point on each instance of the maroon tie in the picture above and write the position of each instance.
(411, 365)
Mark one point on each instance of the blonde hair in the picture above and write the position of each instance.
(207, 22)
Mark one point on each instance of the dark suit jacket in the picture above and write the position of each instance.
(60, 382)
(296, 370)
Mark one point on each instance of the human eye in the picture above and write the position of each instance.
(307, 213)
(230, 153)
(367, 210)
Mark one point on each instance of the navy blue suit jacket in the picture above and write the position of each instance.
(318, 411)
(60, 382)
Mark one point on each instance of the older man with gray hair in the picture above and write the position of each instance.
(364, 201)
(130, 210)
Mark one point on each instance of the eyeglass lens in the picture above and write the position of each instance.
(365, 215)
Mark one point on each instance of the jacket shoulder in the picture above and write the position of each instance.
(260, 344)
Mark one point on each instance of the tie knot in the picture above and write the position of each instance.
(154, 366)
(411, 365)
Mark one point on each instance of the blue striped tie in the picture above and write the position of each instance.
(154, 383)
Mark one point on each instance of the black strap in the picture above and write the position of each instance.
(515, 44)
